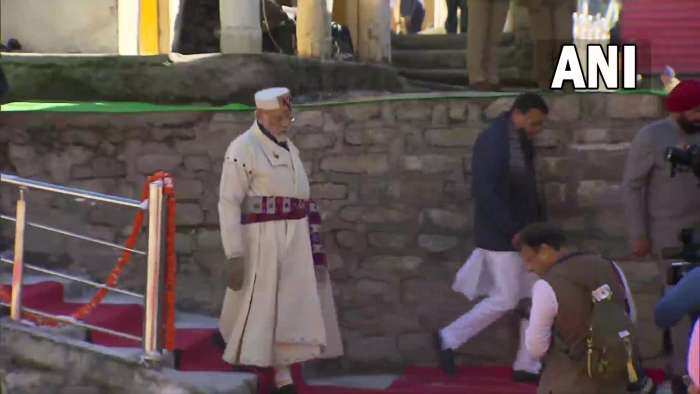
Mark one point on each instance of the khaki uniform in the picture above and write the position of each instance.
(552, 27)
(572, 280)
(486, 21)
(282, 314)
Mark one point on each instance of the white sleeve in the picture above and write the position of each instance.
(235, 180)
(544, 309)
(628, 294)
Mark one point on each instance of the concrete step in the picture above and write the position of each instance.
(70, 288)
(117, 370)
(429, 41)
(512, 77)
(182, 319)
(418, 86)
(362, 382)
(111, 298)
(78, 293)
(429, 58)
(439, 41)
(449, 76)
(457, 58)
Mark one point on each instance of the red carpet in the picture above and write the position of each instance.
(196, 350)
(481, 380)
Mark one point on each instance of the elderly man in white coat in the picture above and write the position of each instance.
(278, 309)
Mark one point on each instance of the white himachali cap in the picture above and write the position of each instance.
(272, 98)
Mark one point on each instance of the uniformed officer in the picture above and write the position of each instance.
(486, 21)
(552, 27)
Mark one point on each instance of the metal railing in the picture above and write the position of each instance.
(152, 351)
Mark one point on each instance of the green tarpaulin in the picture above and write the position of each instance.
(134, 107)
(114, 107)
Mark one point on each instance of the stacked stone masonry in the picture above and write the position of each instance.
(393, 182)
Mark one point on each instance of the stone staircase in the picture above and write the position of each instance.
(113, 368)
(441, 59)
(436, 58)
(29, 355)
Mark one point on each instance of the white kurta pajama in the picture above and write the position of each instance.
(503, 279)
(282, 314)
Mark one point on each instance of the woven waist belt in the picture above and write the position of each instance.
(258, 209)
(265, 209)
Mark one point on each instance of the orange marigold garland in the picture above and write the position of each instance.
(171, 264)
(113, 278)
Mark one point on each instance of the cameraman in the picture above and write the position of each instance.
(680, 301)
(657, 205)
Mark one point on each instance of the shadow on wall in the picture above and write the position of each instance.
(201, 27)
(4, 87)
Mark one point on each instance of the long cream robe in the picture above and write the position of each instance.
(282, 314)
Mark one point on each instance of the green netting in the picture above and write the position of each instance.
(113, 107)
(136, 107)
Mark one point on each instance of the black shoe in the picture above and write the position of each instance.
(218, 340)
(526, 377)
(482, 86)
(445, 356)
(288, 389)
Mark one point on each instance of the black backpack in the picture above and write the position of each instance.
(608, 350)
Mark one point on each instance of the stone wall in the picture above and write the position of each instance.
(166, 79)
(393, 181)
(38, 361)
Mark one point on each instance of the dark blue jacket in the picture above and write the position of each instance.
(681, 300)
(503, 204)
(4, 87)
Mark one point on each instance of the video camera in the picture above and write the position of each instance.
(687, 256)
(684, 159)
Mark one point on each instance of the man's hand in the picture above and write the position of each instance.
(235, 281)
(641, 247)
(693, 389)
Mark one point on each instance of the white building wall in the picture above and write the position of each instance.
(61, 26)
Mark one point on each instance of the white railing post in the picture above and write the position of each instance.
(151, 348)
(18, 267)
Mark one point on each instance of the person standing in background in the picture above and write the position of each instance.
(486, 21)
(659, 206)
(413, 12)
(506, 199)
(451, 21)
(552, 27)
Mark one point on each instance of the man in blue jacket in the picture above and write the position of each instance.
(414, 12)
(505, 195)
(679, 302)
(682, 300)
